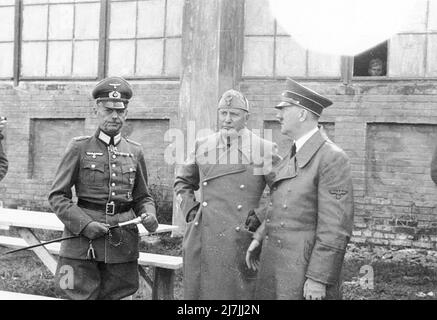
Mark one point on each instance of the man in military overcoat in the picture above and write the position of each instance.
(110, 179)
(231, 168)
(309, 219)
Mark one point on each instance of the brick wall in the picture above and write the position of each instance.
(44, 116)
(389, 131)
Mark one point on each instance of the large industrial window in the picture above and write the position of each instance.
(7, 19)
(60, 38)
(145, 38)
(270, 52)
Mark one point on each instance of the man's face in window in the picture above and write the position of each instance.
(375, 68)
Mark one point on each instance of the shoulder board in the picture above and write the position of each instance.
(133, 142)
(81, 138)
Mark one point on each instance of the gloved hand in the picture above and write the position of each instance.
(95, 230)
(313, 290)
(252, 255)
(149, 222)
(252, 222)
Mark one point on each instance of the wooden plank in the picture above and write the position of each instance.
(7, 295)
(163, 283)
(49, 221)
(147, 259)
(41, 251)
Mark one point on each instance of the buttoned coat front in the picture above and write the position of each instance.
(308, 221)
(215, 242)
(99, 176)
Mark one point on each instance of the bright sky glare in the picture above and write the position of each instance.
(342, 27)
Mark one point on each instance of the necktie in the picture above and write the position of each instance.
(293, 150)
(111, 142)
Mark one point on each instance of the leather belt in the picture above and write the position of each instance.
(109, 208)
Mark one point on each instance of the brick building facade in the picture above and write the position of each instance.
(387, 125)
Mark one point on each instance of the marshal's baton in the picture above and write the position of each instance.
(137, 220)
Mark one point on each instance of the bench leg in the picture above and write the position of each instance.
(41, 252)
(163, 284)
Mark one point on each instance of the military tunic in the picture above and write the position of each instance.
(101, 175)
(215, 242)
(308, 222)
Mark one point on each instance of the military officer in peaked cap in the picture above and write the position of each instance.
(309, 219)
(231, 168)
(110, 179)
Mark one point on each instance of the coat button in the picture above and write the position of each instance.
(113, 165)
(284, 206)
(267, 237)
(196, 223)
(94, 156)
(114, 175)
(268, 220)
(270, 204)
(239, 207)
(237, 229)
(205, 204)
(113, 184)
(113, 193)
(205, 183)
(93, 166)
(114, 156)
(242, 186)
(282, 224)
(131, 169)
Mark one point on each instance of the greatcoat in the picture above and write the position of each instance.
(308, 222)
(216, 240)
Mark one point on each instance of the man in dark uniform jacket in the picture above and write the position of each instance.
(309, 220)
(110, 179)
(3, 159)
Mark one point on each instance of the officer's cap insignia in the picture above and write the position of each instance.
(338, 193)
(228, 100)
(114, 95)
(115, 85)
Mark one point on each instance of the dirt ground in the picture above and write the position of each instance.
(398, 274)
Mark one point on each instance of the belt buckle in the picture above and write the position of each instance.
(110, 208)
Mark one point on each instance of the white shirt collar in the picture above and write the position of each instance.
(301, 141)
(106, 139)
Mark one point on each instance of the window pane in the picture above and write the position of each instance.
(417, 17)
(35, 23)
(432, 16)
(34, 1)
(290, 57)
(33, 59)
(174, 17)
(87, 21)
(7, 2)
(151, 18)
(258, 18)
(431, 70)
(323, 65)
(173, 57)
(61, 22)
(123, 20)
(121, 58)
(7, 23)
(59, 60)
(406, 55)
(6, 59)
(258, 56)
(85, 58)
(59, 1)
(149, 57)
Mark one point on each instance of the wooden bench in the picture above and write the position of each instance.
(163, 266)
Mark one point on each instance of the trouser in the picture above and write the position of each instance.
(95, 280)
